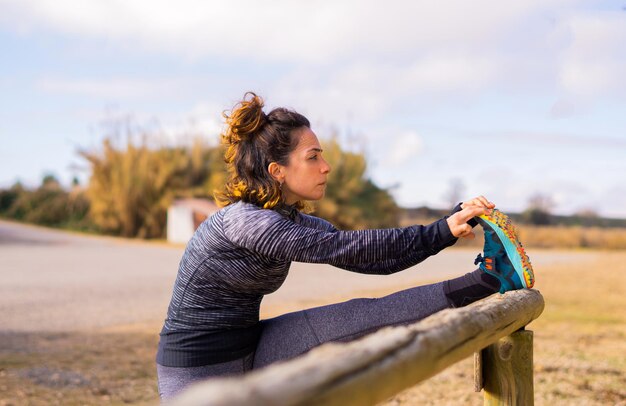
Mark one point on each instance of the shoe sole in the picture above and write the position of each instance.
(503, 227)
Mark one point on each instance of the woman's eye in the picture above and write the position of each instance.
(314, 157)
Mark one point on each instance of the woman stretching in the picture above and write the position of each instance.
(244, 251)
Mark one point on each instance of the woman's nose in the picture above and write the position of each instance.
(325, 167)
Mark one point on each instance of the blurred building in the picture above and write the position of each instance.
(185, 215)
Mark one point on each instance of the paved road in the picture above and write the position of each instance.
(57, 281)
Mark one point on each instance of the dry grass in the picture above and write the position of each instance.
(580, 353)
(573, 237)
(562, 237)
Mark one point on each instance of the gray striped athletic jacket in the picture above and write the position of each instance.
(243, 252)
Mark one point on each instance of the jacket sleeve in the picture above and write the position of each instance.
(268, 233)
(385, 267)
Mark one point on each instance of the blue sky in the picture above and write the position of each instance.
(512, 99)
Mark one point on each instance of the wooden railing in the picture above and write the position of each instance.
(377, 366)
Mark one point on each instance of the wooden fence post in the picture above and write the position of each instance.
(507, 368)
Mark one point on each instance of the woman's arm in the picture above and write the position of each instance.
(268, 233)
(381, 267)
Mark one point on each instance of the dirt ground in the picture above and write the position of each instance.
(580, 350)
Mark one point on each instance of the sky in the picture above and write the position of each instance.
(510, 100)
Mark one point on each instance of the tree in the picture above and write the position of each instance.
(455, 194)
(132, 186)
(50, 181)
(9, 196)
(539, 210)
(48, 205)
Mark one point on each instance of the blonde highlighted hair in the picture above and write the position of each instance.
(253, 140)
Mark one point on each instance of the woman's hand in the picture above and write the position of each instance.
(480, 201)
(458, 221)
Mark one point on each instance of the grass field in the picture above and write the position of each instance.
(580, 352)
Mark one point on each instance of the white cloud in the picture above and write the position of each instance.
(115, 88)
(367, 91)
(406, 146)
(338, 52)
(281, 29)
(594, 63)
(564, 108)
(179, 128)
(203, 120)
(450, 73)
(332, 100)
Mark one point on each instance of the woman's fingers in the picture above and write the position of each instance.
(481, 201)
(458, 221)
(485, 203)
(470, 212)
(466, 231)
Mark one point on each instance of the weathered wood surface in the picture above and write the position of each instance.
(478, 371)
(377, 366)
(508, 370)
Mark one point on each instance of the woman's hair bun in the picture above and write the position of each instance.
(245, 119)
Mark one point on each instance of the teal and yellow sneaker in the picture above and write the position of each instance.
(504, 256)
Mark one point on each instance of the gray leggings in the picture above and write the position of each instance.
(293, 334)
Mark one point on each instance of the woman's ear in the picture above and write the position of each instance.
(276, 171)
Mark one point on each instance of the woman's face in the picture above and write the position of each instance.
(304, 177)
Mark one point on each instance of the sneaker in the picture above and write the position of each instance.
(504, 256)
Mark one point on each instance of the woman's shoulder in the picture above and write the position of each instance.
(318, 223)
(242, 213)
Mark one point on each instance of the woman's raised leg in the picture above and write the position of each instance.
(292, 334)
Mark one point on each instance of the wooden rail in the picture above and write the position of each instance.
(376, 367)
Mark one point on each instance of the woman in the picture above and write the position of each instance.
(243, 252)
